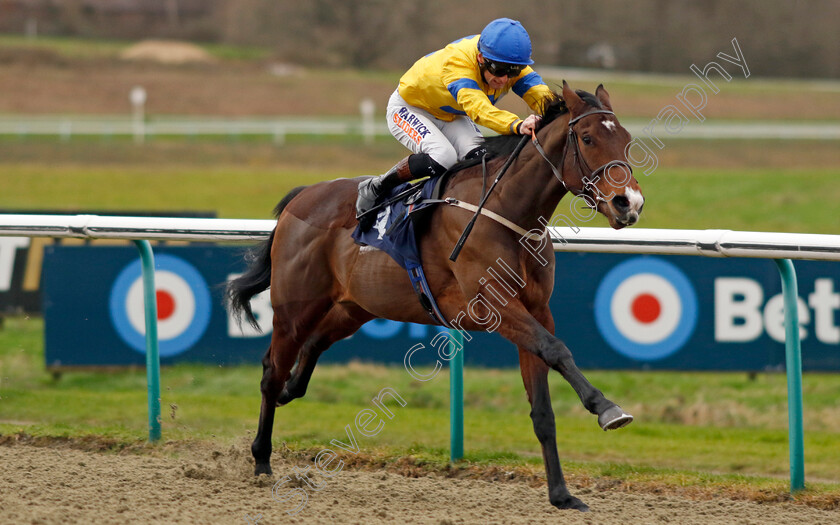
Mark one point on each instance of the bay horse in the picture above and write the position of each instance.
(324, 287)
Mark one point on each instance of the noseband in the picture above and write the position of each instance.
(589, 191)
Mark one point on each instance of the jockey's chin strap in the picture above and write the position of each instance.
(591, 194)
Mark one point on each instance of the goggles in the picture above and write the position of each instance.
(501, 69)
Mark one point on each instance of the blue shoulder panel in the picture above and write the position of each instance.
(463, 38)
(460, 84)
(527, 82)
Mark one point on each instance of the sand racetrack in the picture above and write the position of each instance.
(58, 482)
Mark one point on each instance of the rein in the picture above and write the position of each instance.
(466, 233)
(589, 191)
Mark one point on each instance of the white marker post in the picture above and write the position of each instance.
(367, 108)
(138, 103)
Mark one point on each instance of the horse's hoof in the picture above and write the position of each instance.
(262, 468)
(614, 418)
(570, 502)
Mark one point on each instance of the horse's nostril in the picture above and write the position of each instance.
(621, 202)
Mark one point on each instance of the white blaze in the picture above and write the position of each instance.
(635, 198)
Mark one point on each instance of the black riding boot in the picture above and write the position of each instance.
(414, 166)
(371, 189)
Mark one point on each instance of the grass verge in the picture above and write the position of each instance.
(739, 191)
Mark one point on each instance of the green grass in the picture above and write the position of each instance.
(691, 425)
(157, 189)
(246, 179)
(786, 200)
(66, 47)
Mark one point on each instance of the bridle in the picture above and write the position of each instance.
(590, 192)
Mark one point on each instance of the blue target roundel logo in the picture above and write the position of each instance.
(646, 308)
(183, 305)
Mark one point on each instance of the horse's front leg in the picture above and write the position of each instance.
(535, 335)
(535, 376)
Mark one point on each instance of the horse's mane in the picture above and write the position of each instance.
(552, 108)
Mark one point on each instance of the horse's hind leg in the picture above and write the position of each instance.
(278, 360)
(296, 385)
(535, 376)
(339, 323)
(288, 330)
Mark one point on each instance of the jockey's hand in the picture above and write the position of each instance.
(529, 124)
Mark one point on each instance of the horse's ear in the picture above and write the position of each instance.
(573, 101)
(603, 97)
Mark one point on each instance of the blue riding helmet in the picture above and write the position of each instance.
(505, 40)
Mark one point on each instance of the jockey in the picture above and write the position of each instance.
(444, 95)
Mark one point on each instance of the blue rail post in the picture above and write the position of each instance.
(152, 352)
(456, 399)
(793, 362)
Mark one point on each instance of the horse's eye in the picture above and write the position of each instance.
(587, 140)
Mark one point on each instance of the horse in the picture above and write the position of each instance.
(324, 287)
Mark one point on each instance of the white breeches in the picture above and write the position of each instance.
(419, 131)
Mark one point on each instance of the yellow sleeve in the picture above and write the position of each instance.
(530, 86)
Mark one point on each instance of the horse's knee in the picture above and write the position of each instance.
(558, 356)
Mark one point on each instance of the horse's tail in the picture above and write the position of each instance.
(258, 275)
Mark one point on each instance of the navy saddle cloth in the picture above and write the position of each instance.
(393, 232)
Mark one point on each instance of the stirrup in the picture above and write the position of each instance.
(365, 204)
(369, 192)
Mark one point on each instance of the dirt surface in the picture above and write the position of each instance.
(61, 483)
(167, 52)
